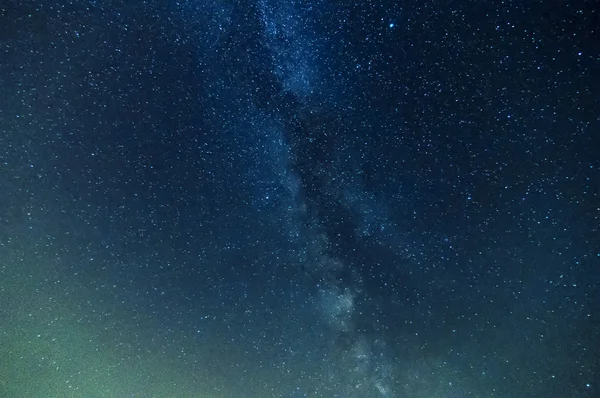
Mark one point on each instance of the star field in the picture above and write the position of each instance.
(276, 198)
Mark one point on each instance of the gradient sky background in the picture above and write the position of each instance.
(316, 198)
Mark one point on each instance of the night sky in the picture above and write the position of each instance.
(284, 198)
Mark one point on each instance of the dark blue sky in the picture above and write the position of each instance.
(299, 199)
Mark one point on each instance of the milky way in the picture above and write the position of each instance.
(277, 198)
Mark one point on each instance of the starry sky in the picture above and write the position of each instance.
(285, 198)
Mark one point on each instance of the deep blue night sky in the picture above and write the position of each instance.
(314, 198)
